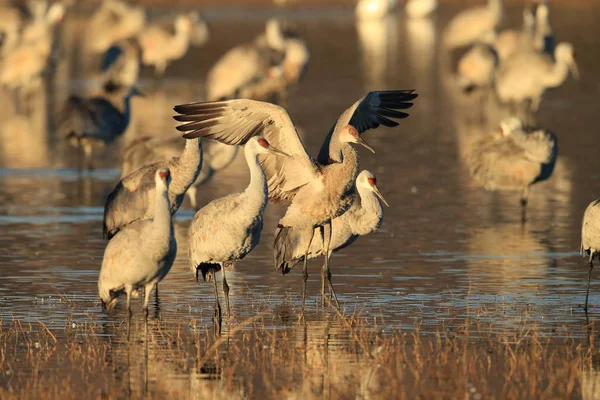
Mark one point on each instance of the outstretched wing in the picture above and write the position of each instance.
(374, 109)
(234, 122)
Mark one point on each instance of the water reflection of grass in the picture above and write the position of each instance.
(335, 357)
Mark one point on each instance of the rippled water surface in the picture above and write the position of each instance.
(447, 252)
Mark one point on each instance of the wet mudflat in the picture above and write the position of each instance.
(453, 294)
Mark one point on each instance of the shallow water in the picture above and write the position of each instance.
(447, 252)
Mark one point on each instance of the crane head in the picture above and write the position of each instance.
(368, 180)
(349, 134)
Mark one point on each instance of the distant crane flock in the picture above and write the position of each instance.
(329, 203)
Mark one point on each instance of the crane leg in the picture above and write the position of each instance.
(305, 270)
(217, 313)
(226, 291)
(147, 293)
(324, 269)
(327, 250)
(191, 192)
(524, 199)
(128, 290)
(87, 151)
(587, 293)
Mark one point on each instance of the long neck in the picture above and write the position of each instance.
(557, 75)
(335, 148)
(370, 214)
(257, 190)
(162, 212)
(344, 172)
(188, 167)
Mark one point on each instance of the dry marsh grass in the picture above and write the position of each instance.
(336, 357)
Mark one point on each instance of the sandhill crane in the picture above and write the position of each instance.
(420, 8)
(469, 25)
(113, 22)
(510, 41)
(148, 150)
(318, 190)
(227, 229)
(133, 197)
(251, 63)
(513, 159)
(120, 66)
(142, 254)
(374, 9)
(526, 75)
(477, 67)
(96, 121)
(363, 217)
(159, 46)
(590, 239)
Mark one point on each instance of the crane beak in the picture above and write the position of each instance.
(278, 152)
(378, 194)
(362, 142)
(574, 70)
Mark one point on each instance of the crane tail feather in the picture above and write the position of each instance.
(283, 250)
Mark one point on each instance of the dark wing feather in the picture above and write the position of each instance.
(374, 109)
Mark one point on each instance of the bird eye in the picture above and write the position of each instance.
(372, 181)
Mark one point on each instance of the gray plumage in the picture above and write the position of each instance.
(227, 229)
(469, 25)
(160, 46)
(133, 197)
(141, 254)
(120, 66)
(477, 68)
(96, 121)
(364, 217)
(590, 238)
(317, 190)
(147, 150)
(513, 159)
(525, 75)
(247, 69)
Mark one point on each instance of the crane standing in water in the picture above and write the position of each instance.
(96, 121)
(317, 190)
(590, 239)
(227, 229)
(141, 254)
(364, 217)
(513, 159)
